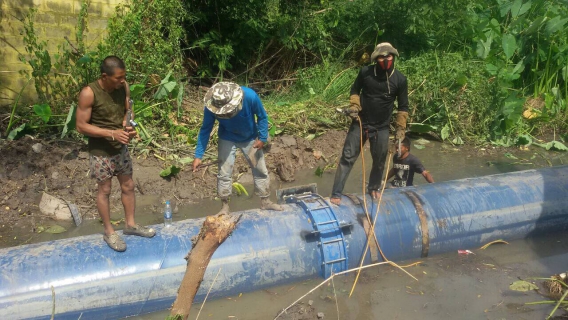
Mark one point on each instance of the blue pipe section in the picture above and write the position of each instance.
(83, 278)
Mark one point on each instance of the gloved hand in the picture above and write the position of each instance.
(354, 106)
(353, 112)
(401, 118)
(392, 147)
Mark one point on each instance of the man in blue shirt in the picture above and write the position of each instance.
(235, 108)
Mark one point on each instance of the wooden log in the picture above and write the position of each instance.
(213, 233)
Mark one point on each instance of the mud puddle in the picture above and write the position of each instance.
(449, 286)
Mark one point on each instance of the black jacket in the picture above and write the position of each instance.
(377, 95)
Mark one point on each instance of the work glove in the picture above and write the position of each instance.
(354, 106)
(401, 118)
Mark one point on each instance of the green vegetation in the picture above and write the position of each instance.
(479, 71)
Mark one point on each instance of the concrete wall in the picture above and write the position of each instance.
(54, 20)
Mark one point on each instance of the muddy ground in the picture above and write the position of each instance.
(30, 167)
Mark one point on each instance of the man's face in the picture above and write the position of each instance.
(385, 61)
(116, 80)
(403, 149)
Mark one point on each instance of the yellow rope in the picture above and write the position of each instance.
(372, 228)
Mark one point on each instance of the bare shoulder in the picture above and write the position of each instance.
(86, 91)
(86, 97)
(127, 88)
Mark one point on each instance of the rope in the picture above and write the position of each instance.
(372, 228)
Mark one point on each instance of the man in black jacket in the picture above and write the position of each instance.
(372, 102)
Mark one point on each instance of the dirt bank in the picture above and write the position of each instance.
(29, 167)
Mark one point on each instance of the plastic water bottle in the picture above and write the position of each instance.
(168, 214)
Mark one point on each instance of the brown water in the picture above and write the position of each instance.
(449, 286)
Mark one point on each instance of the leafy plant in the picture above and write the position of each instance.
(170, 171)
(552, 145)
(240, 189)
(148, 36)
(451, 96)
(524, 47)
(70, 120)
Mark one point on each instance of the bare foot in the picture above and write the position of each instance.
(335, 201)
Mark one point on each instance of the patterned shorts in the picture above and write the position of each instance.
(103, 168)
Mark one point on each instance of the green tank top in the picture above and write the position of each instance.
(107, 113)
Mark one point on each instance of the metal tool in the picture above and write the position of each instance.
(129, 120)
(284, 195)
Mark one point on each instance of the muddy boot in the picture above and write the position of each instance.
(225, 208)
(266, 204)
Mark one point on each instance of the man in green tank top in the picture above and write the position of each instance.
(101, 116)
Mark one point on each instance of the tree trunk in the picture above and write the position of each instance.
(214, 231)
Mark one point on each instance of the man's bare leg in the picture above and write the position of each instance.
(103, 205)
(128, 198)
(129, 203)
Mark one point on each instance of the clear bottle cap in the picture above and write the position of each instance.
(168, 202)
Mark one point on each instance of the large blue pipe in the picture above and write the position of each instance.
(89, 280)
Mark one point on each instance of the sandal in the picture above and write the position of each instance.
(138, 230)
(115, 242)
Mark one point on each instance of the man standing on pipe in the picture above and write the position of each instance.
(101, 115)
(243, 124)
(372, 101)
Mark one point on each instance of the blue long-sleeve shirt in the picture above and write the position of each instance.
(240, 128)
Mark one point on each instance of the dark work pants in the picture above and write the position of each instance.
(352, 148)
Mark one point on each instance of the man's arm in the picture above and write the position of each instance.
(127, 101)
(427, 176)
(355, 98)
(127, 104)
(261, 119)
(203, 137)
(357, 84)
(84, 110)
(204, 133)
(402, 96)
(131, 131)
(402, 114)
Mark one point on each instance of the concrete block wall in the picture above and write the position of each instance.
(54, 20)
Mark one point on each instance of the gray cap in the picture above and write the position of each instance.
(224, 99)
(383, 49)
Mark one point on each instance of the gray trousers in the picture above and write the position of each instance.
(352, 148)
(227, 150)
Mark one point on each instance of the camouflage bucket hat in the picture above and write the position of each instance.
(383, 49)
(224, 99)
